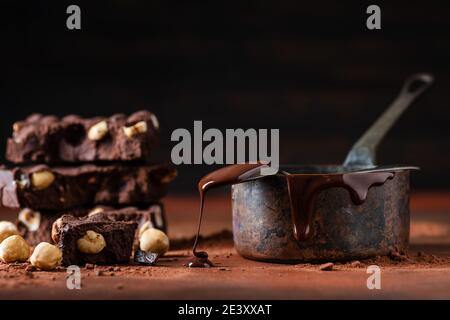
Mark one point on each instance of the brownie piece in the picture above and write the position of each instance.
(36, 226)
(59, 188)
(117, 238)
(49, 139)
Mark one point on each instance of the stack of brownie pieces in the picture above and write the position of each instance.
(89, 174)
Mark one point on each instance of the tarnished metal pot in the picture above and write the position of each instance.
(342, 230)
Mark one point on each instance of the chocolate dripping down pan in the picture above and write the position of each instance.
(330, 212)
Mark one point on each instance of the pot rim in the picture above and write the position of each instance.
(335, 169)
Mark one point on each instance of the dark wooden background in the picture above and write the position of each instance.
(309, 68)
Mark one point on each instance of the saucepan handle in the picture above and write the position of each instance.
(363, 152)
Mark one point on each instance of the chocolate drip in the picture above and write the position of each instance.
(303, 191)
(225, 176)
(200, 259)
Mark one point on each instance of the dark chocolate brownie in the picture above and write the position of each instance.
(49, 139)
(117, 237)
(59, 188)
(36, 226)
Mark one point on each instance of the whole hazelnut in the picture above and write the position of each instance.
(7, 229)
(98, 131)
(14, 248)
(91, 243)
(42, 179)
(31, 219)
(137, 128)
(46, 256)
(154, 241)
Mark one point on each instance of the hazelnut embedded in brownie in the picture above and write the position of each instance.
(36, 226)
(50, 139)
(94, 239)
(41, 187)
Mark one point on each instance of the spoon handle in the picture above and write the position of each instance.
(363, 152)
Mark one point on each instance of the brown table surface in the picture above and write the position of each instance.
(238, 278)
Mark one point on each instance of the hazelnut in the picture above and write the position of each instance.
(46, 256)
(91, 243)
(154, 240)
(98, 131)
(17, 126)
(7, 229)
(138, 127)
(31, 219)
(55, 229)
(14, 248)
(96, 211)
(147, 225)
(42, 179)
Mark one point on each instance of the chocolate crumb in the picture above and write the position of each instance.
(326, 266)
(355, 264)
(99, 273)
(89, 266)
(398, 255)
